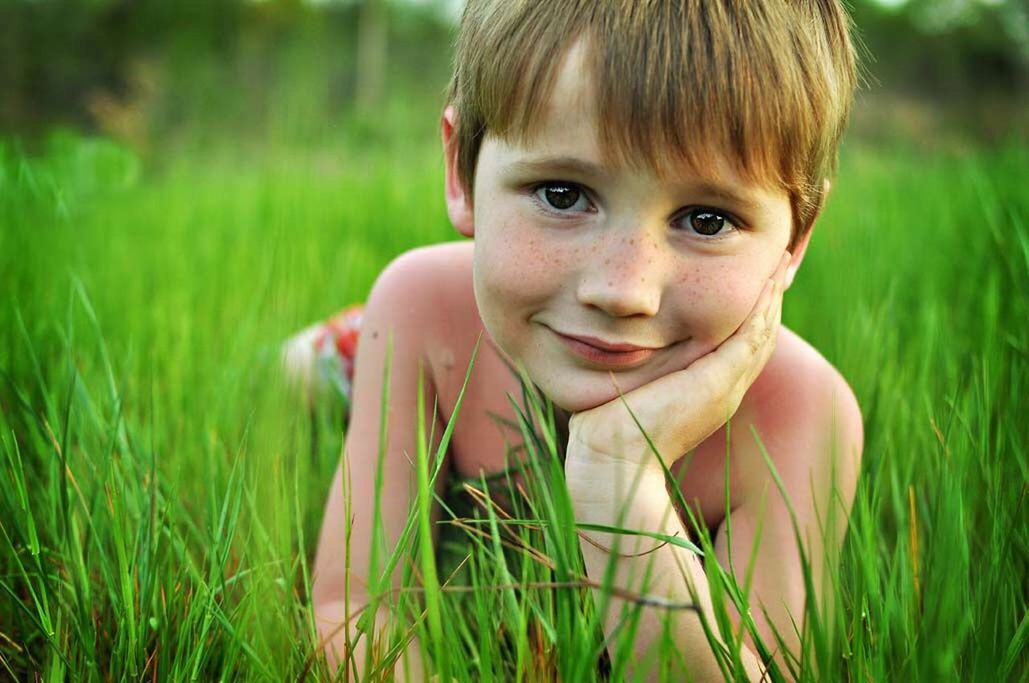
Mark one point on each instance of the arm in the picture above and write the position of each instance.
(607, 453)
(609, 456)
(819, 465)
(761, 529)
(599, 493)
(341, 586)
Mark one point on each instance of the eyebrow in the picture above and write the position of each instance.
(583, 167)
(550, 164)
(725, 194)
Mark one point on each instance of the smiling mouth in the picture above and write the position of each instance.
(600, 352)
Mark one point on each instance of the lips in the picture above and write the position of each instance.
(605, 353)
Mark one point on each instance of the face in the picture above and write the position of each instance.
(590, 274)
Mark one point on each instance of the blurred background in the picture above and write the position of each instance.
(185, 184)
(250, 74)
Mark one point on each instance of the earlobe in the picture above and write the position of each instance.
(459, 204)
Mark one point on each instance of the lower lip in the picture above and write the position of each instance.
(602, 357)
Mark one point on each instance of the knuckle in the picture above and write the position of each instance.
(755, 342)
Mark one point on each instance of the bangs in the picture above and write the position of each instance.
(766, 86)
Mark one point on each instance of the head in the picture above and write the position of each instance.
(632, 172)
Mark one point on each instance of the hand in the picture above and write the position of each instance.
(681, 409)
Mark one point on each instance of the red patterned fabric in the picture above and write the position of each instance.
(338, 337)
(331, 350)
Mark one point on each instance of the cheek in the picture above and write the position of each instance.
(515, 271)
(713, 300)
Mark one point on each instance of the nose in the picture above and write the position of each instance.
(623, 278)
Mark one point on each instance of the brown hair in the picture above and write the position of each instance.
(769, 83)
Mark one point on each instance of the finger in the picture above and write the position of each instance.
(773, 324)
(761, 306)
(773, 321)
(749, 350)
(733, 363)
(708, 391)
(774, 311)
(711, 388)
(771, 292)
(784, 265)
(777, 312)
(779, 281)
(749, 345)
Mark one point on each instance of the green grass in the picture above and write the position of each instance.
(160, 494)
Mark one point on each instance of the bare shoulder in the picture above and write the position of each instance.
(422, 275)
(426, 300)
(805, 411)
(423, 290)
(798, 370)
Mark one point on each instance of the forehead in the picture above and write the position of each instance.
(568, 115)
(569, 130)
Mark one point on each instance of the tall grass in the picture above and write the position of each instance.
(161, 492)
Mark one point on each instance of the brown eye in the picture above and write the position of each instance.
(562, 197)
(707, 222)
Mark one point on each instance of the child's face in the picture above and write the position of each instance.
(649, 274)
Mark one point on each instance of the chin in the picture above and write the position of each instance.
(578, 403)
(576, 397)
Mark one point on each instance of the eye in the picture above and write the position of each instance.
(562, 197)
(707, 222)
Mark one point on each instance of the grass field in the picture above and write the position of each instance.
(160, 494)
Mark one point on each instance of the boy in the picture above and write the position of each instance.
(640, 181)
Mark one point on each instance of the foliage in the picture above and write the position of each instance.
(155, 74)
(946, 48)
(162, 493)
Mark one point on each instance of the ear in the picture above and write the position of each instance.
(801, 246)
(459, 201)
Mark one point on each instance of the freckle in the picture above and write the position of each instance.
(607, 262)
(610, 283)
(375, 334)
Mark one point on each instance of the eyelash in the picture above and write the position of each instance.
(731, 223)
(551, 184)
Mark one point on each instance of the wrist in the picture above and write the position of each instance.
(610, 445)
(597, 479)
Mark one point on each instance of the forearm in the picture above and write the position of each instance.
(344, 645)
(666, 573)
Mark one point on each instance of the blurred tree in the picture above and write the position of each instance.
(947, 48)
(294, 68)
(371, 55)
(56, 55)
